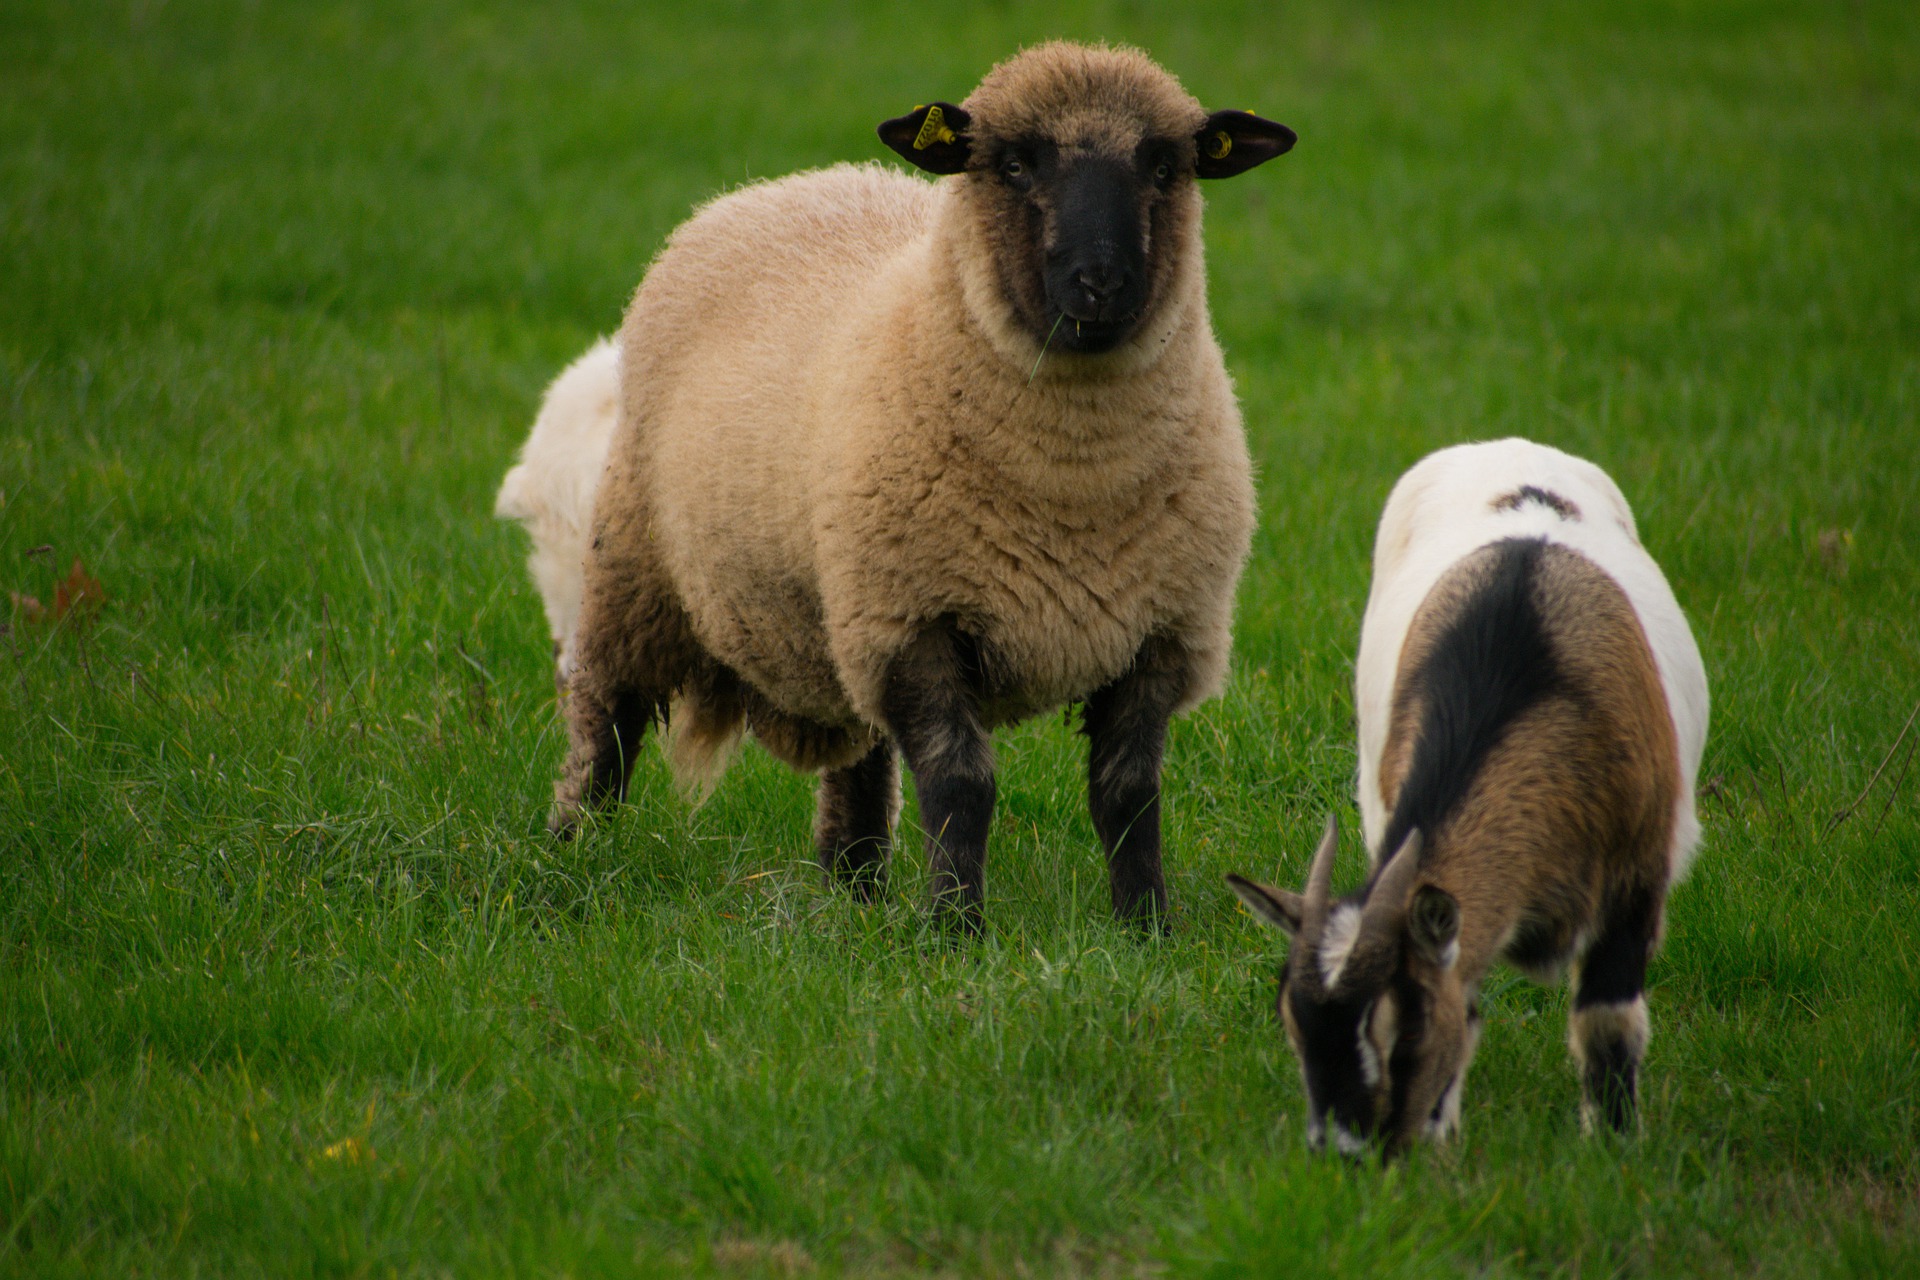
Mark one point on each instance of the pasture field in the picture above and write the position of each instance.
(292, 984)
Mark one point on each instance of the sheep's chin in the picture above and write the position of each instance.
(1090, 337)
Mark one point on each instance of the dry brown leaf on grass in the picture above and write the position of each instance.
(78, 596)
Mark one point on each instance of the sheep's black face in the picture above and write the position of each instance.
(1080, 166)
(1088, 222)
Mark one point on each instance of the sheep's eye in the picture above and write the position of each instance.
(1012, 167)
(1163, 172)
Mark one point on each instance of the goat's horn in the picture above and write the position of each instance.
(1382, 917)
(1320, 880)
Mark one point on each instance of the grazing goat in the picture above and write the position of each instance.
(1532, 710)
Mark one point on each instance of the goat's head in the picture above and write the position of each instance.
(1080, 165)
(1372, 1001)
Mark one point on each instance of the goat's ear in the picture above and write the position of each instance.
(1276, 907)
(1232, 142)
(1433, 926)
(934, 138)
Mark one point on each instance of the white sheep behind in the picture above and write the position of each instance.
(550, 489)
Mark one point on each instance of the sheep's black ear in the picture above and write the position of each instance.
(935, 137)
(1232, 142)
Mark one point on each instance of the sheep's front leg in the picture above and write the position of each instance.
(853, 820)
(1126, 728)
(933, 712)
(1608, 1029)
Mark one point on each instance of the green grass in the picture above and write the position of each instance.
(279, 288)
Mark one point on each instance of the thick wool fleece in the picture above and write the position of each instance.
(550, 489)
(833, 434)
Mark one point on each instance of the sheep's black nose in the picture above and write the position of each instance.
(1101, 286)
(1102, 283)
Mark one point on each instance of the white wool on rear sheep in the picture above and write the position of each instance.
(901, 461)
(550, 489)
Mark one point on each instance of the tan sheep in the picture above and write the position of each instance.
(901, 461)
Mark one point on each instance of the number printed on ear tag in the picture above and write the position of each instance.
(933, 129)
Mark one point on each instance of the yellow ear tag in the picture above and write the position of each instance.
(933, 129)
(1218, 145)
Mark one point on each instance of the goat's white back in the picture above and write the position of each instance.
(1443, 509)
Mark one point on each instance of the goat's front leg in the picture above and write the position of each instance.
(1608, 1029)
(933, 712)
(1126, 727)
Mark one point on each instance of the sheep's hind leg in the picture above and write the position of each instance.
(605, 737)
(632, 648)
(932, 711)
(1126, 728)
(853, 821)
(1608, 1029)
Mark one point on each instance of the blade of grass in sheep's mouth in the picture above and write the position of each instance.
(1043, 347)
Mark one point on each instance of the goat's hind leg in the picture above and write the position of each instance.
(1608, 1028)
